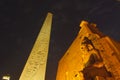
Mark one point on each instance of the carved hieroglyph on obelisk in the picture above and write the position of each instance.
(35, 67)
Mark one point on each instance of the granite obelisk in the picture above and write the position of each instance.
(35, 67)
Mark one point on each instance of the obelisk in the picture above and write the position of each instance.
(35, 67)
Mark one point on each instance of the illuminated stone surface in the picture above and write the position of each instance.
(35, 67)
(91, 52)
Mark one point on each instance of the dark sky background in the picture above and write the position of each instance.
(21, 20)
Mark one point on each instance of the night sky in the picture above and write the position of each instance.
(21, 20)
